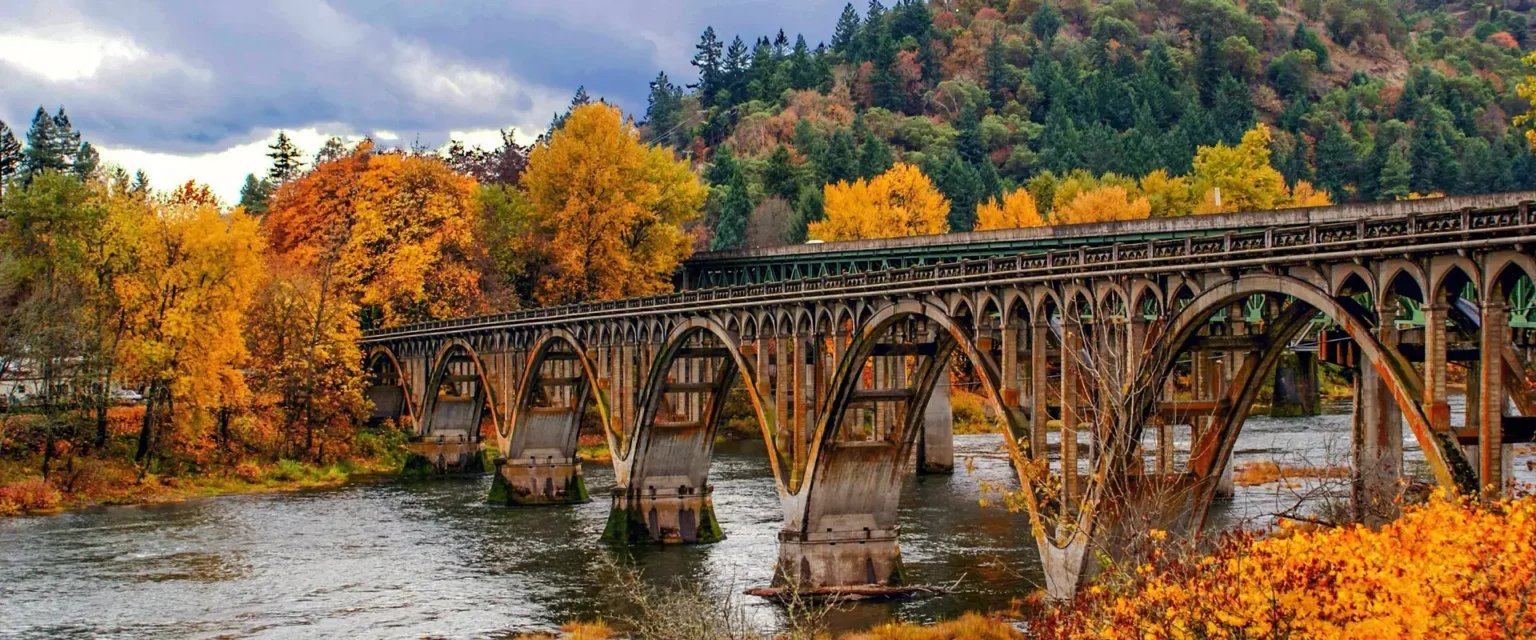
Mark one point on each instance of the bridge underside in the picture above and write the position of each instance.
(1122, 376)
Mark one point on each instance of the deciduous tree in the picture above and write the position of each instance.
(611, 207)
(900, 202)
(1016, 211)
(1104, 204)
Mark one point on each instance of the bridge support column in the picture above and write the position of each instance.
(833, 559)
(1492, 452)
(842, 532)
(936, 443)
(1296, 387)
(532, 481)
(1378, 435)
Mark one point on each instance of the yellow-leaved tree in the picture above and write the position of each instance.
(395, 233)
(1246, 180)
(197, 272)
(900, 202)
(611, 208)
(1104, 204)
(1016, 211)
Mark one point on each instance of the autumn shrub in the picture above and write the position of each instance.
(32, 495)
(1448, 568)
(971, 626)
(970, 413)
(287, 471)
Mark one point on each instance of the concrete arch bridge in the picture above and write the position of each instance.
(1123, 359)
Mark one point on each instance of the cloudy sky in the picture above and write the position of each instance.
(194, 89)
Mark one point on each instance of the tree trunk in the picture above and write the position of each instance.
(146, 428)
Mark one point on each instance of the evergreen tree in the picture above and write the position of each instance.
(579, 99)
(1306, 40)
(140, 183)
(42, 147)
(65, 139)
(808, 141)
(724, 169)
(1429, 151)
(1335, 162)
(1396, 175)
(1479, 172)
(1046, 22)
(840, 163)
(968, 138)
(87, 161)
(1296, 166)
(847, 29)
(285, 155)
(10, 154)
(874, 26)
(254, 194)
(808, 209)
(1231, 110)
(760, 72)
(731, 229)
(959, 182)
(802, 68)
(708, 59)
(780, 44)
(882, 57)
(333, 149)
(875, 157)
(780, 178)
(663, 111)
(996, 71)
(735, 66)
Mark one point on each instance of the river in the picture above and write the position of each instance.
(430, 558)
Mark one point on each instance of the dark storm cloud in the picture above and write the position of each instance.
(206, 75)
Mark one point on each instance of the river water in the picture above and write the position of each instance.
(430, 558)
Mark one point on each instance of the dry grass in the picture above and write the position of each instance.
(971, 626)
(1252, 474)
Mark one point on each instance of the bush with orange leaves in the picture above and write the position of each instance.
(1452, 568)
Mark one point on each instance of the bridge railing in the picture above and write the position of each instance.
(1414, 228)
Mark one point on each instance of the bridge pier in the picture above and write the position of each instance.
(936, 442)
(1377, 451)
(531, 481)
(1297, 391)
(674, 515)
(847, 534)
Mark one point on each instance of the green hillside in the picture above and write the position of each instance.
(1367, 100)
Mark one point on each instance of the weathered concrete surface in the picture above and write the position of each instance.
(1297, 392)
(936, 443)
(538, 482)
(677, 515)
(839, 559)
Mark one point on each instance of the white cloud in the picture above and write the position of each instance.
(70, 52)
(385, 135)
(225, 170)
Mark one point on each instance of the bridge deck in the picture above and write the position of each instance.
(1022, 255)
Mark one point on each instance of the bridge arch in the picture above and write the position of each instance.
(438, 417)
(391, 392)
(1402, 380)
(662, 492)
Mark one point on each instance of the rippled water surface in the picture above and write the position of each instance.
(407, 559)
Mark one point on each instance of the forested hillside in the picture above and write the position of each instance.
(1370, 100)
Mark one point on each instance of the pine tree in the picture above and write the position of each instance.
(333, 149)
(780, 44)
(731, 229)
(802, 67)
(724, 169)
(968, 138)
(1396, 175)
(709, 61)
(1434, 161)
(286, 162)
(663, 111)
(1231, 110)
(254, 194)
(1046, 22)
(42, 147)
(847, 29)
(959, 182)
(1294, 165)
(1335, 162)
(875, 157)
(579, 99)
(996, 71)
(736, 64)
(839, 163)
(780, 178)
(10, 154)
(140, 183)
(87, 161)
(65, 139)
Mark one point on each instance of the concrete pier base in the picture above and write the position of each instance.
(682, 515)
(832, 559)
(538, 482)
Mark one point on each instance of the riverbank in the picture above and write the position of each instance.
(95, 482)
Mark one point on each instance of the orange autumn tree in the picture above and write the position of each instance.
(197, 270)
(609, 208)
(1104, 204)
(394, 232)
(900, 202)
(1016, 211)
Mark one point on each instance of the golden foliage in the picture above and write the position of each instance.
(1016, 211)
(1242, 173)
(1527, 90)
(1449, 569)
(1104, 204)
(612, 208)
(1168, 195)
(971, 626)
(898, 203)
(1305, 195)
(397, 230)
